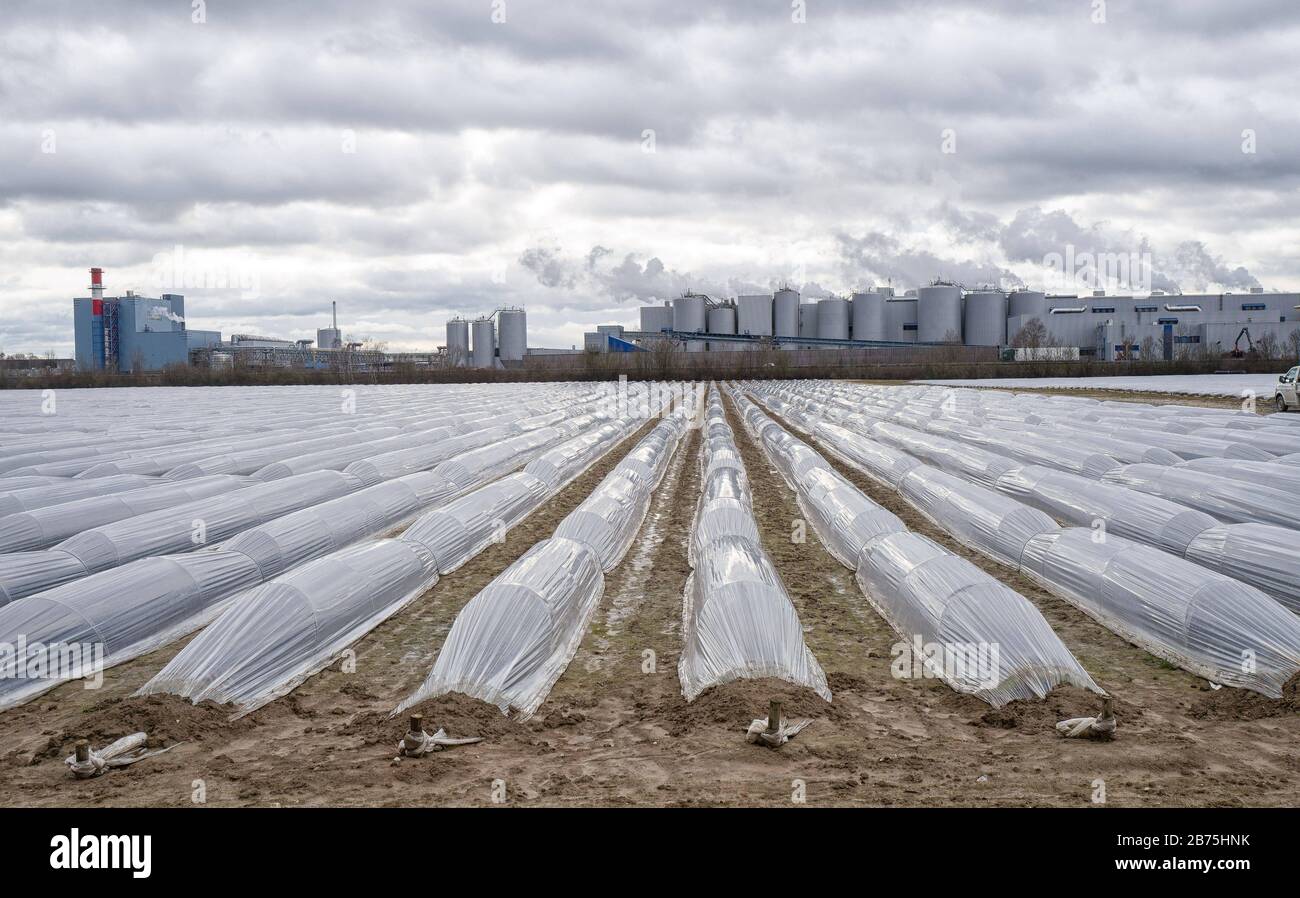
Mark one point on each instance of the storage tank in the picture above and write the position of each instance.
(754, 315)
(833, 319)
(869, 316)
(938, 314)
(657, 318)
(484, 350)
(329, 338)
(458, 342)
(1027, 302)
(512, 336)
(688, 316)
(785, 313)
(985, 318)
(808, 319)
(722, 320)
(900, 318)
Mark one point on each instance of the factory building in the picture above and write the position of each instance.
(1164, 325)
(132, 333)
(1108, 328)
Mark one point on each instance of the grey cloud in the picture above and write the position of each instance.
(808, 153)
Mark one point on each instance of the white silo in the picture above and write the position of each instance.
(938, 314)
(754, 315)
(458, 342)
(512, 335)
(722, 320)
(1032, 303)
(900, 318)
(689, 317)
(484, 350)
(808, 319)
(869, 316)
(833, 319)
(985, 318)
(785, 313)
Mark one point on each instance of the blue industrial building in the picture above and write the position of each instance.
(133, 333)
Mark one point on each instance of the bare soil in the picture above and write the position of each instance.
(616, 730)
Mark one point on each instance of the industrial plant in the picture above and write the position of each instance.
(1106, 328)
(133, 333)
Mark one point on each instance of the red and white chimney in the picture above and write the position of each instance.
(97, 283)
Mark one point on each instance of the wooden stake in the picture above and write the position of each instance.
(773, 716)
(417, 723)
(82, 750)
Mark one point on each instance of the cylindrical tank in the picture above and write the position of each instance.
(688, 316)
(900, 318)
(458, 342)
(512, 335)
(329, 338)
(785, 309)
(938, 314)
(869, 316)
(656, 318)
(833, 319)
(754, 315)
(985, 318)
(722, 320)
(1027, 302)
(484, 350)
(807, 319)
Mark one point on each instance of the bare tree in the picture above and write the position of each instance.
(1148, 348)
(1268, 346)
(1032, 335)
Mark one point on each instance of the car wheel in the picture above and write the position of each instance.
(1279, 402)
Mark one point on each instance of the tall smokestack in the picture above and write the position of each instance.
(97, 283)
(334, 305)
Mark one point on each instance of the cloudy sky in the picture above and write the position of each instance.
(417, 160)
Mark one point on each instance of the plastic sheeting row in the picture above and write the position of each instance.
(515, 638)
(1215, 626)
(137, 607)
(180, 525)
(1261, 555)
(738, 620)
(972, 631)
(277, 635)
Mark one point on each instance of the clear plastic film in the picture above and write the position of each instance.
(120, 614)
(26, 494)
(1234, 501)
(513, 640)
(281, 633)
(1216, 627)
(957, 622)
(43, 527)
(1262, 555)
(993, 524)
(180, 528)
(738, 620)
(284, 631)
(1082, 502)
(1276, 474)
(974, 632)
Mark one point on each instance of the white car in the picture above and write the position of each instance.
(1284, 394)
